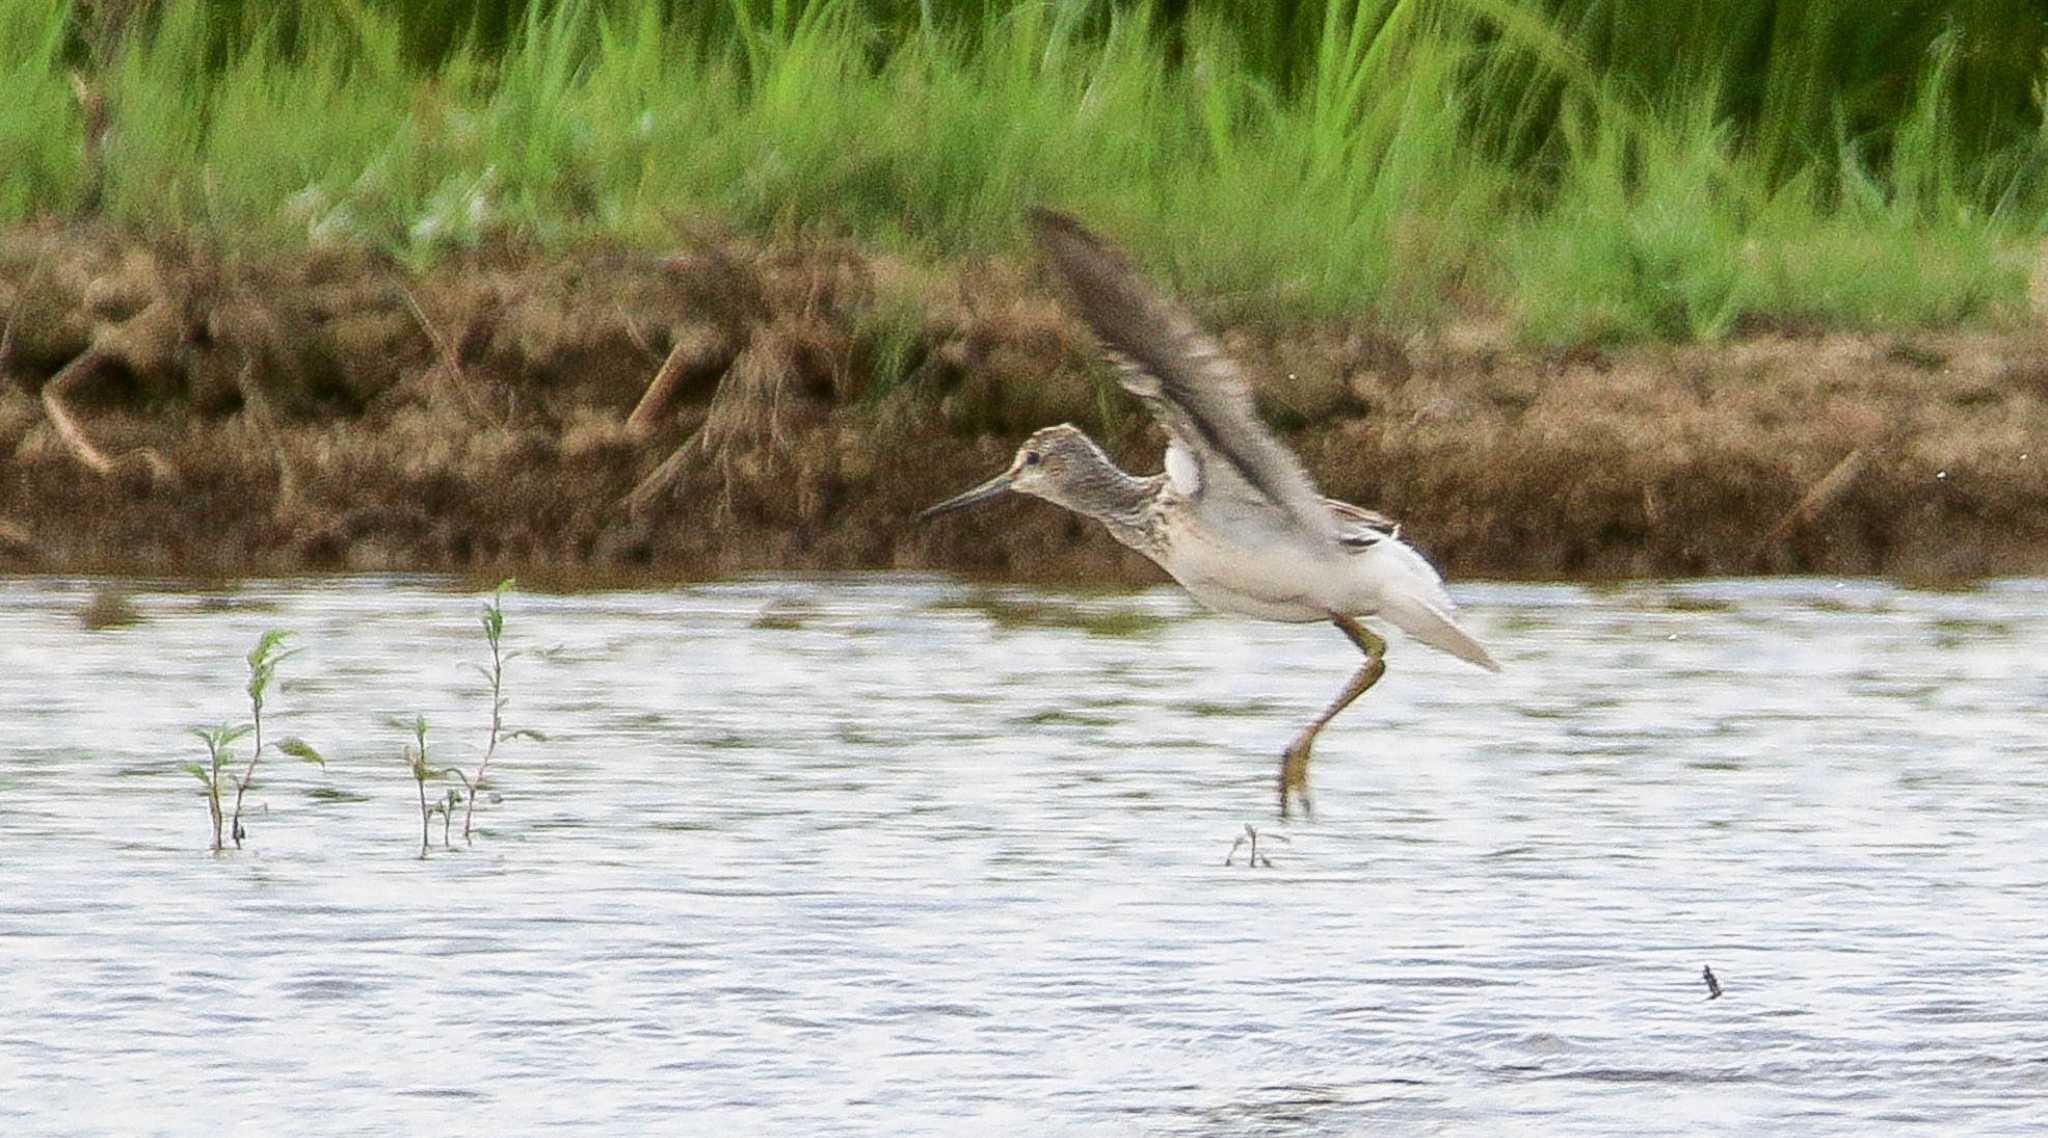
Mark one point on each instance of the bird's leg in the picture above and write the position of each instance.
(1294, 761)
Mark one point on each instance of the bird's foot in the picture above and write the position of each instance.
(1294, 779)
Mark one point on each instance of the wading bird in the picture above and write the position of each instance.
(1234, 517)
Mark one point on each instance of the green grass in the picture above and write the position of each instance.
(41, 134)
(1593, 169)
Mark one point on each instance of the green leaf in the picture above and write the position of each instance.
(265, 645)
(198, 772)
(300, 749)
(230, 734)
(263, 661)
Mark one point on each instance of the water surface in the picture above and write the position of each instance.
(877, 855)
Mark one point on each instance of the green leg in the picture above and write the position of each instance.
(1294, 761)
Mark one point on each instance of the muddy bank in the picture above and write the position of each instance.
(166, 411)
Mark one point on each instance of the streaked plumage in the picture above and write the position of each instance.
(1234, 517)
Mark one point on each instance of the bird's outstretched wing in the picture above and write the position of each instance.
(1181, 374)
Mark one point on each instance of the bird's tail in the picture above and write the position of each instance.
(1411, 597)
(1435, 626)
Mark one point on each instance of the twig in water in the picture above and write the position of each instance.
(1251, 836)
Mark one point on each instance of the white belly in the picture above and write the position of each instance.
(1275, 576)
(1284, 583)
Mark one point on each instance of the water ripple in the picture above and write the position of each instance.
(892, 855)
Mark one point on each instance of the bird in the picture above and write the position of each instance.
(1234, 517)
(1713, 985)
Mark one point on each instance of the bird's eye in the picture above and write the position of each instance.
(1031, 458)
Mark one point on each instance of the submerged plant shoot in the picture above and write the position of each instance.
(219, 773)
(492, 621)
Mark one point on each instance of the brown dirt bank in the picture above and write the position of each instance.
(163, 411)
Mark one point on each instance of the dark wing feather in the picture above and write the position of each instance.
(1179, 371)
(1360, 528)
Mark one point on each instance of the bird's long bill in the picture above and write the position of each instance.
(993, 488)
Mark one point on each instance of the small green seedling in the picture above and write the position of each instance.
(217, 740)
(218, 772)
(422, 770)
(493, 620)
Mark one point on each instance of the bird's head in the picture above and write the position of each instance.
(1050, 464)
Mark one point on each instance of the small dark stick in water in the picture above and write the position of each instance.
(1713, 985)
(1251, 834)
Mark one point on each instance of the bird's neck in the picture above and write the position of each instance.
(1124, 505)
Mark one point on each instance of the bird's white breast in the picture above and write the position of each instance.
(1280, 581)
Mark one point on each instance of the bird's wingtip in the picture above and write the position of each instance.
(1472, 652)
(1477, 654)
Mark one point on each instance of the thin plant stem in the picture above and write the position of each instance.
(416, 754)
(420, 781)
(469, 785)
(494, 629)
(249, 771)
(213, 795)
